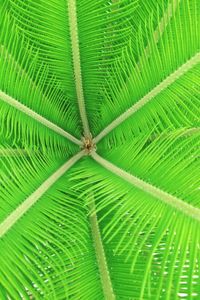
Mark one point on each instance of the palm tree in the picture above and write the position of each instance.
(99, 149)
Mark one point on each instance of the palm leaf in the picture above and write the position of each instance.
(51, 234)
(138, 217)
(99, 149)
(33, 102)
(43, 22)
(160, 76)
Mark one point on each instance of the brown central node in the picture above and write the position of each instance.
(88, 145)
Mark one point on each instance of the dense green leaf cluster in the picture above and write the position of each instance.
(114, 214)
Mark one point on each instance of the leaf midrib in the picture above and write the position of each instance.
(156, 192)
(81, 102)
(98, 244)
(169, 80)
(73, 25)
(100, 254)
(37, 194)
(35, 116)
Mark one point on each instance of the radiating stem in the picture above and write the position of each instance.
(99, 250)
(100, 254)
(73, 24)
(148, 97)
(161, 195)
(35, 196)
(32, 114)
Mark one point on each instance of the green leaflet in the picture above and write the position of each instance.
(136, 226)
(101, 39)
(99, 149)
(22, 80)
(132, 78)
(49, 249)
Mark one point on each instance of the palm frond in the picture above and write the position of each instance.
(165, 162)
(100, 254)
(33, 198)
(143, 219)
(45, 25)
(42, 23)
(99, 149)
(185, 114)
(51, 230)
(20, 93)
(148, 86)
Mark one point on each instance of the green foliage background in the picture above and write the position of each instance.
(127, 48)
